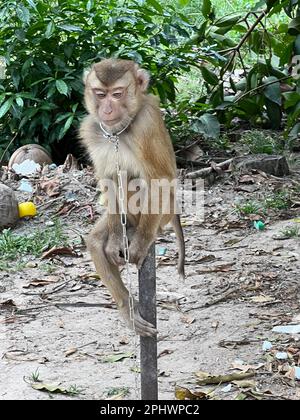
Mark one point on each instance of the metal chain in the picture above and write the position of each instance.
(114, 139)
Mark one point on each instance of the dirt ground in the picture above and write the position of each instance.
(58, 321)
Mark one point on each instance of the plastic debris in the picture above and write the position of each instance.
(161, 251)
(281, 356)
(27, 209)
(227, 388)
(52, 166)
(297, 373)
(70, 196)
(259, 225)
(267, 345)
(287, 329)
(25, 186)
(28, 167)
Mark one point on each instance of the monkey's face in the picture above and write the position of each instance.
(113, 92)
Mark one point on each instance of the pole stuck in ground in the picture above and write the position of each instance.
(147, 299)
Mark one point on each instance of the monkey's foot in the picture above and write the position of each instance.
(141, 327)
(138, 253)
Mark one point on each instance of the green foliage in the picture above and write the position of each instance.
(260, 142)
(248, 208)
(258, 97)
(14, 247)
(277, 201)
(47, 46)
(290, 232)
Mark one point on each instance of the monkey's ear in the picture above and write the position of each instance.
(143, 79)
(86, 72)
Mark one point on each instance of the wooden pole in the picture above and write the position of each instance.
(147, 299)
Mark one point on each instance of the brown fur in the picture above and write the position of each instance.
(145, 151)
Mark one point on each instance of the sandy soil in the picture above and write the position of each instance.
(240, 284)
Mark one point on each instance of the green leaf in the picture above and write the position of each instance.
(62, 117)
(184, 3)
(74, 107)
(249, 106)
(294, 26)
(70, 28)
(274, 114)
(291, 99)
(210, 77)
(297, 45)
(62, 87)
(50, 29)
(6, 107)
(27, 95)
(89, 5)
(232, 85)
(208, 125)
(66, 127)
(206, 8)
(25, 67)
(156, 5)
(228, 20)
(272, 3)
(23, 14)
(20, 101)
(272, 91)
(32, 4)
(295, 131)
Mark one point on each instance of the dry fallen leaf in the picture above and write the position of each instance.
(245, 384)
(224, 268)
(55, 387)
(51, 187)
(41, 282)
(204, 378)
(117, 357)
(261, 299)
(71, 351)
(187, 319)
(245, 368)
(124, 340)
(165, 352)
(247, 179)
(182, 393)
(59, 251)
(8, 304)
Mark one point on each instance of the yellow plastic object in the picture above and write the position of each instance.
(27, 209)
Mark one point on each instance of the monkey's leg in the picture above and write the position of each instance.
(144, 236)
(114, 245)
(110, 276)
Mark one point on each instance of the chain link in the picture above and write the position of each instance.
(114, 139)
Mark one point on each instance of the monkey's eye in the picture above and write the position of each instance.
(100, 94)
(117, 95)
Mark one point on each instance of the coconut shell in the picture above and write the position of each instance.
(9, 213)
(34, 152)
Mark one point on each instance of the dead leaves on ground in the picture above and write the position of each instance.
(51, 187)
(182, 394)
(53, 252)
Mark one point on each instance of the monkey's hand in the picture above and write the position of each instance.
(114, 250)
(141, 327)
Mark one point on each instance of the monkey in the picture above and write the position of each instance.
(118, 105)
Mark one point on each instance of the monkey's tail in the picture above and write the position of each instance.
(181, 244)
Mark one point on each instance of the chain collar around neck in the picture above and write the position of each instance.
(113, 137)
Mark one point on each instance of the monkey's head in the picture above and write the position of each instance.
(114, 90)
